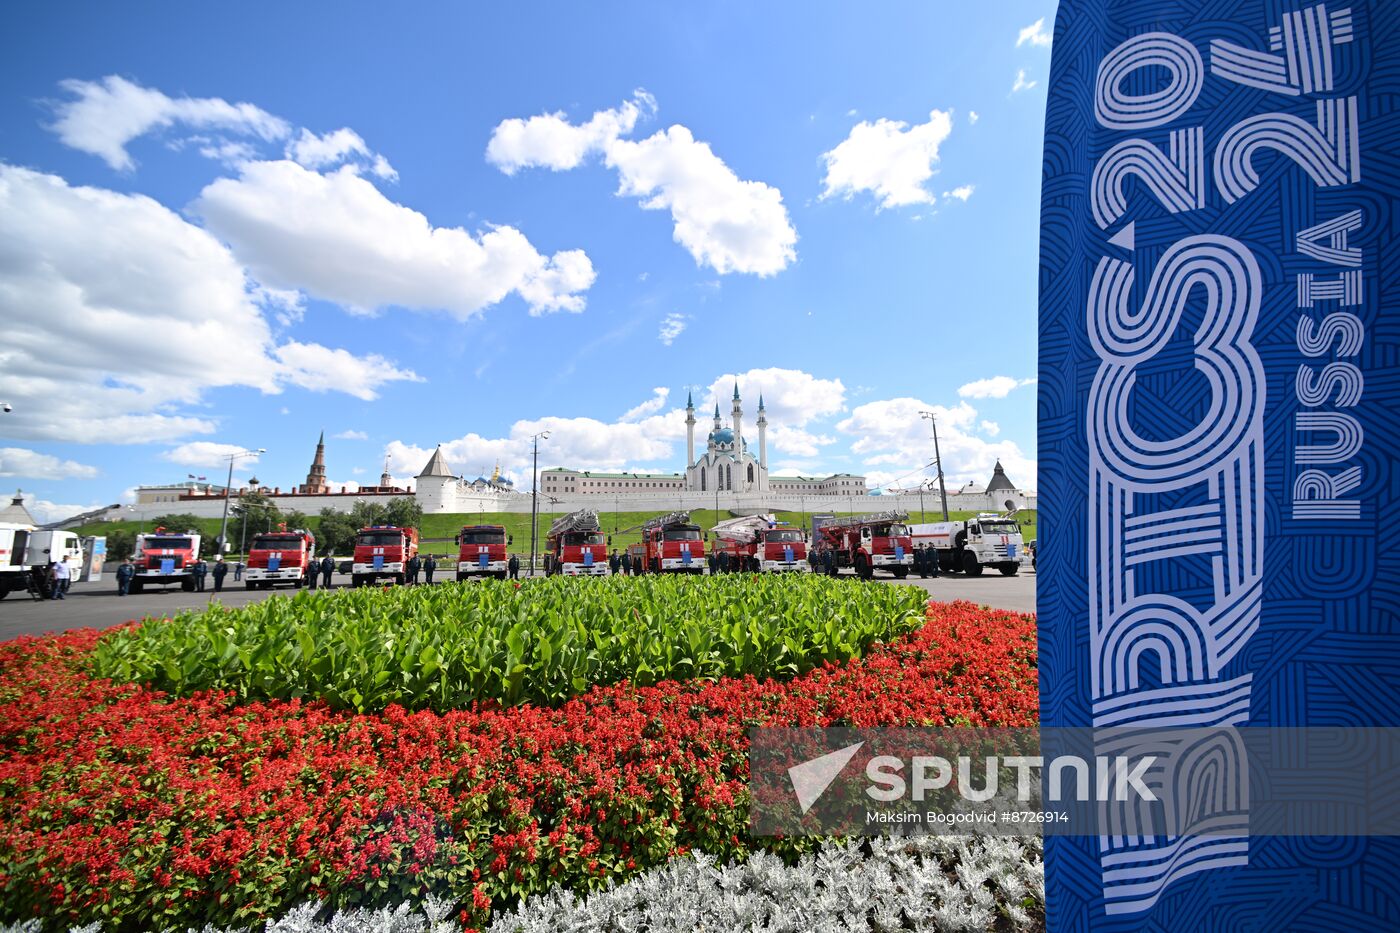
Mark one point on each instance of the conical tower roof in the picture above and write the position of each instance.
(1000, 481)
(15, 513)
(437, 465)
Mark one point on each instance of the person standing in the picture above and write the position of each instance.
(626, 563)
(60, 576)
(723, 561)
(221, 571)
(237, 571)
(312, 574)
(327, 568)
(412, 569)
(200, 570)
(513, 566)
(125, 571)
(429, 568)
(614, 562)
(828, 563)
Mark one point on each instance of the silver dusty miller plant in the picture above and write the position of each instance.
(939, 884)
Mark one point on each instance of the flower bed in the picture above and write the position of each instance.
(119, 801)
(442, 647)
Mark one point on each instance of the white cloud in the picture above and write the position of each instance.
(323, 369)
(888, 158)
(351, 435)
(991, 428)
(20, 461)
(550, 141)
(796, 441)
(1022, 83)
(90, 276)
(723, 221)
(962, 193)
(793, 400)
(650, 407)
(972, 117)
(46, 512)
(208, 454)
(337, 237)
(992, 387)
(891, 434)
(671, 327)
(1035, 34)
(106, 115)
(339, 147)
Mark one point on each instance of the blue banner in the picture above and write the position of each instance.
(483, 560)
(274, 563)
(167, 566)
(378, 562)
(1218, 399)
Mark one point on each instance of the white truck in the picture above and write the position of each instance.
(25, 555)
(971, 546)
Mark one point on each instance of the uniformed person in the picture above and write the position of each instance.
(513, 567)
(412, 568)
(124, 574)
(221, 571)
(327, 568)
(429, 567)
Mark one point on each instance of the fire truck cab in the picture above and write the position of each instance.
(280, 556)
(672, 545)
(383, 552)
(866, 543)
(481, 551)
(163, 558)
(576, 546)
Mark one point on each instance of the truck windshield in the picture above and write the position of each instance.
(167, 544)
(1000, 528)
(682, 534)
(892, 531)
(276, 542)
(586, 537)
(783, 536)
(483, 537)
(378, 539)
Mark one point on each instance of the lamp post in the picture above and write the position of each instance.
(938, 459)
(535, 496)
(243, 525)
(228, 488)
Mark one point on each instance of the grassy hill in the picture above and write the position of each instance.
(622, 526)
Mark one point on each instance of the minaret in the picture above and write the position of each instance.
(316, 479)
(689, 430)
(762, 444)
(717, 425)
(738, 422)
(385, 478)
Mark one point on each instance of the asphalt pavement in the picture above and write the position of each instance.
(97, 605)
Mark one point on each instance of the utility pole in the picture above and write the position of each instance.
(535, 498)
(228, 489)
(937, 459)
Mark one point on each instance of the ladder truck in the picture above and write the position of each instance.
(761, 544)
(576, 546)
(971, 546)
(481, 551)
(866, 543)
(671, 544)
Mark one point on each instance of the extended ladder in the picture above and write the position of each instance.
(582, 520)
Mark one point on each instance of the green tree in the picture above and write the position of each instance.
(405, 512)
(120, 545)
(336, 534)
(296, 519)
(251, 514)
(175, 521)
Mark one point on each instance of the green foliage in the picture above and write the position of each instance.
(251, 514)
(175, 521)
(335, 533)
(446, 646)
(121, 544)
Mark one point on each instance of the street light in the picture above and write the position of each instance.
(228, 488)
(535, 496)
(243, 526)
(938, 459)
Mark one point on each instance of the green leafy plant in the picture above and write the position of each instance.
(444, 647)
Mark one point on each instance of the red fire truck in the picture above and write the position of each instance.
(481, 551)
(576, 547)
(866, 543)
(383, 551)
(760, 544)
(163, 558)
(280, 556)
(671, 544)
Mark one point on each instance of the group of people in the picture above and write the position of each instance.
(621, 564)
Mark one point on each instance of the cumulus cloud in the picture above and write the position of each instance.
(793, 400)
(90, 276)
(991, 428)
(972, 117)
(351, 435)
(207, 454)
(46, 512)
(324, 369)
(671, 327)
(992, 387)
(338, 148)
(20, 461)
(891, 434)
(889, 159)
(103, 116)
(1022, 82)
(1035, 34)
(961, 193)
(723, 221)
(650, 407)
(337, 237)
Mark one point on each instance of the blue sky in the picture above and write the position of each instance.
(223, 229)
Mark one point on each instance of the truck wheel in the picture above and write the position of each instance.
(4, 591)
(187, 585)
(1008, 570)
(398, 579)
(900, 573)
(298, 583)
(250, 585)
(356, 581)
(970, 565)
(135, 586)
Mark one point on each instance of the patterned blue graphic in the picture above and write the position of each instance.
(1219, 413)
